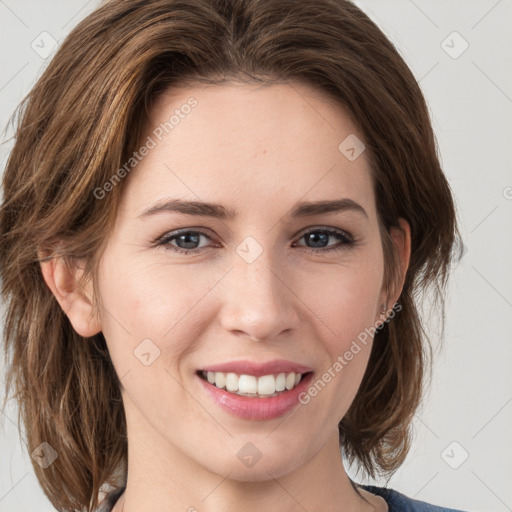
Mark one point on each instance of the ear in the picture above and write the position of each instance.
(74, 298)
(402, 240)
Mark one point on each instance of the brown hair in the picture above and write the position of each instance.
(83, 119)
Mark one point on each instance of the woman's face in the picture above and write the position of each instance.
(245, 287)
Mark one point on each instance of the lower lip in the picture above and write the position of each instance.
(257, 408)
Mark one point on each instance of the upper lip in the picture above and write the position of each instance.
(258, 368)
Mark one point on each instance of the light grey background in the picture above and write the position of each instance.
(469, 409)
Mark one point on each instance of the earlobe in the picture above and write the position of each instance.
(74, 298)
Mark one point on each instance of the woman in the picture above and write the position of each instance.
(218, 217)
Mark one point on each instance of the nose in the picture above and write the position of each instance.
(259, 300)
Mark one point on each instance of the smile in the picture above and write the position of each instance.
(252, 386)
(250, 404)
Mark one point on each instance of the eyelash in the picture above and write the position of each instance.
(346, 238)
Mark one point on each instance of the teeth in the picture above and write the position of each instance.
(249, 385)
(281, 382)
(231, 382)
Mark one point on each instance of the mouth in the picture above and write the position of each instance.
(252, 386)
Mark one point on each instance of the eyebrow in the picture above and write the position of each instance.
(205, 209)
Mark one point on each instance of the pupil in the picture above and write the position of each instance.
(324, 237)
(185, 238)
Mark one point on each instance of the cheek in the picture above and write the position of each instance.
(346, 298)
(345, 309)
(345, 303)
(151, 302)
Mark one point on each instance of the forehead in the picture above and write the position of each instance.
(269, 144)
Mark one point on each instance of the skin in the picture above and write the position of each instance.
(257, 150)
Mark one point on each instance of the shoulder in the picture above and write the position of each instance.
(398, 502)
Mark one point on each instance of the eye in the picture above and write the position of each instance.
(185, 239)
(320, 238)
